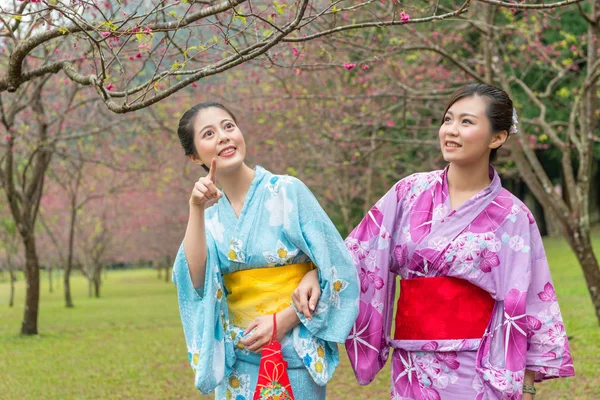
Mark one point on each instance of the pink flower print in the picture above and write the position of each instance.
(489, 260)
(420, 217)
(515, 326)
(358, 249)
(478, 387)
(404, 17)
(147, 31)
(7, 137)
(430, 346)
(541, 343)
(295, 52)
(401, 189)
(401, 253)
(529, 215)
(557, 334)
(448, 358)
(365, 67)
(548, 294)
(370, 226)
(110, 86)
(365, 342)
(406, 381)
(370, 279)
(349, 66)
(104, 34)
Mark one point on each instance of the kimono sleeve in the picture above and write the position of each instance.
(548, 352)
(370, 245)
(311, 230)
(203, 317)
(530, 330)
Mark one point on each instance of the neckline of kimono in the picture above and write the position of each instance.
(493, 177)
(258, 173)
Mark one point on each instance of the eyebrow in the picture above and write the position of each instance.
(464, 114)
(210, 125)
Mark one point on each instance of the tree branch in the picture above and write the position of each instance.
(530, 6)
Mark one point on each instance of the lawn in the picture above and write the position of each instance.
(129, 344)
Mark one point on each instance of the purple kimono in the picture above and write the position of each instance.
(491, 241)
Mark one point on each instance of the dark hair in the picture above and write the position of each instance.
(185, 130)
(499, 108)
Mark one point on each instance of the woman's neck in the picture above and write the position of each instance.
(469, 178)
(236, 183)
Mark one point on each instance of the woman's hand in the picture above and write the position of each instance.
(306, 295)
(258, 334)
(205, 193)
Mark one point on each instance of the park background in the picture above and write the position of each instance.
(345, 95)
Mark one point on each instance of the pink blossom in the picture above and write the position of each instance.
(349, 66)
(147, 31)
(297, 71)
(138, 55)
(110, 86)
(365, 67)
(104, 34)
(194, 84)
(435, 35)
(404, 17)
(295, 51)
(7, 137)
(389, 123)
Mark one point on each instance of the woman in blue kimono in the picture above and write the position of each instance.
(245, 250)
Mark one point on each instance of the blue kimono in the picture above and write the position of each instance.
(281, 223)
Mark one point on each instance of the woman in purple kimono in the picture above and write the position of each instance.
(477, 316)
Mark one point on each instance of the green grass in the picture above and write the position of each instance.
(129, 344)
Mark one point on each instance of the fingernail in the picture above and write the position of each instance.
(312, 307)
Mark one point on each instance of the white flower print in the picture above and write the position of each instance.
(281, 255)
(279, 207)
(516, 243)
(215, 227)
(438, 243)
(440, 212)
(235, 251)
(469, 250)
(338, 286)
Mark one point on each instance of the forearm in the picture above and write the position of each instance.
(286, 320)
(529, 380)
(194, 244)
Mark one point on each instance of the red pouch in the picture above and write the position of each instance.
(273, 381)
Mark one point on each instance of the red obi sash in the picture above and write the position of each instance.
(441, 308)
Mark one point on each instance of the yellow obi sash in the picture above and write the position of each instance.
(253, 293)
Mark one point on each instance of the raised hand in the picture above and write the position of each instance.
(205, 192)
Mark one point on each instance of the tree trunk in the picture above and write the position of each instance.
(13, 279)
(580, 241)
(50, 278)
(32, 296)
(68, 299)
(69, 267)
(97, 286)
(168, 263)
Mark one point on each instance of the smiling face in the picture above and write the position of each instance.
(216, 135)
(466, 135)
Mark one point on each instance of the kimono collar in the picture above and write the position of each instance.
(492, 187)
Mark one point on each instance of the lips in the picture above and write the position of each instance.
(227, 151)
